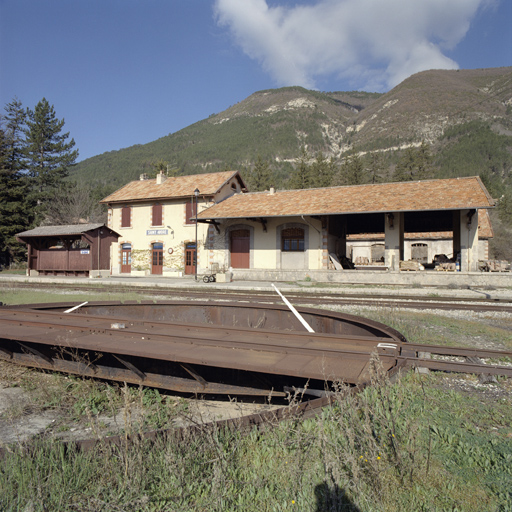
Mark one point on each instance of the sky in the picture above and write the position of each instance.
(125, 72)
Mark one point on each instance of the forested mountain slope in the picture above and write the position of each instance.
(464, 116)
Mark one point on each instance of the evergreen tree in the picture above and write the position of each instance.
(424, 162)
(15, 211)
(406, 167)
(48, 154)
(301, 178)
(260, 177)
(375, 168)
(351, 171)
(415, 164)
(321, 171)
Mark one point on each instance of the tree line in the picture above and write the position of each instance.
(316, 171)
(35, 158)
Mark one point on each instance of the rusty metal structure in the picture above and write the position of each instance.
(198, 347)
(221, 348)
(217, 348)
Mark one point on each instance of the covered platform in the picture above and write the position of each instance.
(71, 250)
(297, 232)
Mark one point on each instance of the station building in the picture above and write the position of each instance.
(277, 234)
(155, 219)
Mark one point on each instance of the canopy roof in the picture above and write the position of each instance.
(67, 230)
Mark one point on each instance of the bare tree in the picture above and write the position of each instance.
(74, 203)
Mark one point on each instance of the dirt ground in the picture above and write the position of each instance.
(24, 413)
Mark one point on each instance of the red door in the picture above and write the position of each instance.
(126, 258)
(190, 259)
(157, 262)
(240, 248)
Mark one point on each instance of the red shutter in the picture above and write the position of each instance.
(157, 215)
(126, 217)
(190, 213)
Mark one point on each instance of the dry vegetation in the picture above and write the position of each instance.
(425, 442)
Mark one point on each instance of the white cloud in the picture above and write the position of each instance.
(373, 44)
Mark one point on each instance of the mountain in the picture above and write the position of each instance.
(443, 108)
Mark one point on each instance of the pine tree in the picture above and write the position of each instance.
(48, 154)
(321, 172)
(15, 211)
(352, 170)
(424, 165)
(301, 178)
(415, 164)
(375, 168)
(260, 177)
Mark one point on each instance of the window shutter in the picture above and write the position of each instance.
(190, 213)
(157, 215)
(126, 217)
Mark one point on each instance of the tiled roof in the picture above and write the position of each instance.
(73, 229)
(448, 194)
(180, 186)
(484, 231)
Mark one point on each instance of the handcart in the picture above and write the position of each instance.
(212, 277)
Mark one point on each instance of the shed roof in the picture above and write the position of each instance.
(171, 188)
(446, 194)
(67, 230)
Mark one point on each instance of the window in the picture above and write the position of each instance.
(126, 217)
(190, 212)
(156, 215)
(292, 239)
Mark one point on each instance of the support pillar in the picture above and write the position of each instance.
(394, 239)
(468, 240)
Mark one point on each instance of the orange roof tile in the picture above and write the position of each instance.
(447, 194)
(180, 186)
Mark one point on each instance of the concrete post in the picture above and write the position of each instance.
(456, 234)
(394, 239)
(469, 240)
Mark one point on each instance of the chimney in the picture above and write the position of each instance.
(143, 177)
(272, 190)
(160, 178)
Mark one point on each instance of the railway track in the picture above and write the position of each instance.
(307, 297)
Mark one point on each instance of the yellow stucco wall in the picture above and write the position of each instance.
(265, 247)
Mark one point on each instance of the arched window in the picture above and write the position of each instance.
(292, 240)
(419, 252)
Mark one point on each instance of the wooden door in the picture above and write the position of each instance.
(240, 248)
(157, 260)
(190, 259)
(126, 258)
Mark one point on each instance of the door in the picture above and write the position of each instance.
(157, 260)
(126, 258)
(240, 248)
(190, 259)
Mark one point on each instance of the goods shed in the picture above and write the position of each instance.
(303, 230)
(80, 249)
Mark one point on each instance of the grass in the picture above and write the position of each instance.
(411, 445)
(422, 443)
(13, 295)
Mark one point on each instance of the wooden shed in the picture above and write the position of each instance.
(69, 250)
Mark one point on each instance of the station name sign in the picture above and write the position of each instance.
(156, 232)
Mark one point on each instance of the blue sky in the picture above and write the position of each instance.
(124, 72)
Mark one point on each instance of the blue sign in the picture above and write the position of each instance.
(156, 232)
